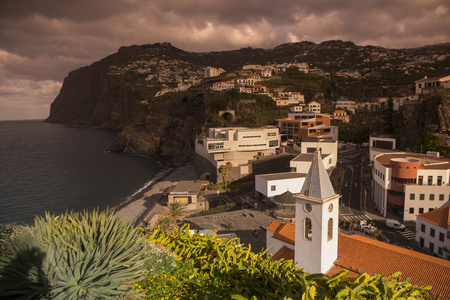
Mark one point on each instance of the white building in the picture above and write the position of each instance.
(433, 232)
(410, 184)
(379, 144)
(237, 145)
(213, 72)
(432, 85)
(347, 105)
(314, 236)
(313, 106)
(270, 185)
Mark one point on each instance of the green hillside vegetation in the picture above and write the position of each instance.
(97, 256)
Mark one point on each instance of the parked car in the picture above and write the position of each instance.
(394, 224)
(369, 229)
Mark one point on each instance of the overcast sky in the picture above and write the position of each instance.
(41, 41)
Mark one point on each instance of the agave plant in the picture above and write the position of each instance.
(73, 256)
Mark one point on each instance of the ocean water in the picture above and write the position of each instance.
(55, 168)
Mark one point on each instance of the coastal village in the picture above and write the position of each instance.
(306, 196)
(306, 210)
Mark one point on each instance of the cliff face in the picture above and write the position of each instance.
(417, 118)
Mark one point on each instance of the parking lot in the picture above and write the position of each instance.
(248, 225)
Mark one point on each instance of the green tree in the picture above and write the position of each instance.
(225, 170)
(176, 210)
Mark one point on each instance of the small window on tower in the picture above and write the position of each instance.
(330, 229)
(308, 229)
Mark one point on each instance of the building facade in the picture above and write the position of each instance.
(433, 232)
(302, 125)
(237, 145)
(410, 184)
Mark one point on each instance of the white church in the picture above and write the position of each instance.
(315, 244)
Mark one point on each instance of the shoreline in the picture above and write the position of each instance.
(144, 204)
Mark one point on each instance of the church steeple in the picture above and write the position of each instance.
(316, 220)
(317, 183)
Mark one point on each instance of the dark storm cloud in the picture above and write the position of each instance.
(41, 41)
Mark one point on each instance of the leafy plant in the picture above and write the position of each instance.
(251, 276)
(73, 256)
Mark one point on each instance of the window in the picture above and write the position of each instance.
(441, 197)
(440, 251)
(430, 180)
(330, 229)
(273, 187)
(308, 229)
(431, 247)
(430, 209)
(271, 134)
(412, 196)
(273, 143)
(411, 210)
(431, 197)
(215, 146)
(422, 197)
(318, 123)
(439, 180)
(421, 210)
(432, 232)
(441, 236)
(327, 130)
(422, 227)
(421, 243)
(420, 180)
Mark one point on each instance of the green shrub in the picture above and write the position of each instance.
(73, 256)
(251, 275)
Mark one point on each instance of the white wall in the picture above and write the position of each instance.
(428, 238)
(316, 255)
(425, 204)
(330, 148)
(276, 244)
(263, 186)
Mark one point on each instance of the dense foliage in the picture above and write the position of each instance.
(250, 275)
(73, 256)
(97, 256)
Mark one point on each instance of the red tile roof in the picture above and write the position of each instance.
(284, 233)
(440, 217)
(359, 254)
(284, 253)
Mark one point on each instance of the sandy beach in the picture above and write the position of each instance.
(141, 208)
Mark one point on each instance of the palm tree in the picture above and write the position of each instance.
(176, 210)
(225, 170)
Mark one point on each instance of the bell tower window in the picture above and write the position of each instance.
(330, 229)
(308, 229)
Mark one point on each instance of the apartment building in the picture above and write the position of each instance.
(432, 85)
(313, 106)
(410, 184)
(341, 115)
(301, 125)
(346, 104)
(237, 145)
(382, 143)
(212, 72)
(433, 232)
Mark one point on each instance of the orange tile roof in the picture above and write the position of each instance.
(285, 253)
(440, 217)
(284, 232)
(360, 254)
(274, 225)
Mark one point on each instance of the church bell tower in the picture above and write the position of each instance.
(316, 220)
